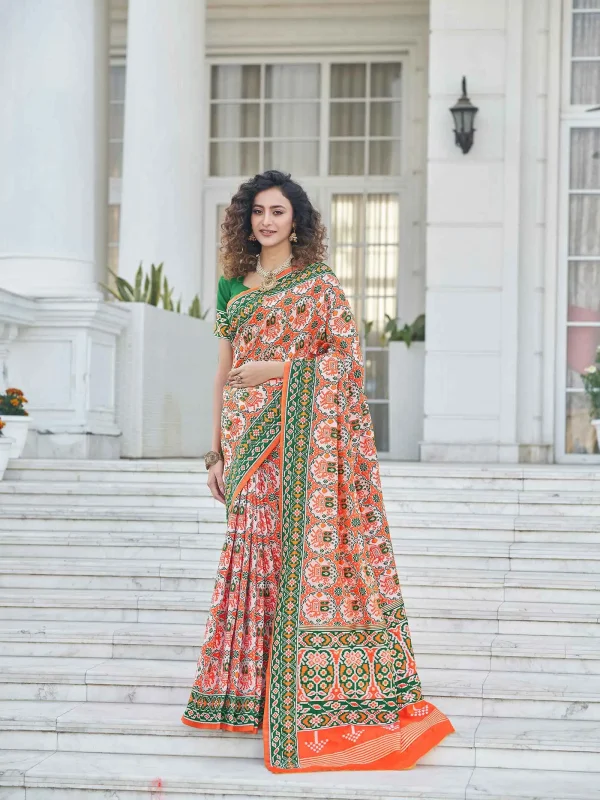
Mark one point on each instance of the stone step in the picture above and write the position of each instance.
(97, 776)
(418, 580)
(398, 500)
(521, 477)
(483, 651)
(109, 521)
(509, 743)
(426, 614)
(457, 692)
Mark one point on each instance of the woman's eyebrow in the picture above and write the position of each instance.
(257, 205)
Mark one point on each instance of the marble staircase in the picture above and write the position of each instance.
(106, 573)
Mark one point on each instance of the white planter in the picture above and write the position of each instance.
(16, 427)
(6, 443)
(166, 366)
(407, 396)
(596, 424)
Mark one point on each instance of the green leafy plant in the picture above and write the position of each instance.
(12, 404)
(151, 289)
(415, 332)
(591, 383)
(195, 310)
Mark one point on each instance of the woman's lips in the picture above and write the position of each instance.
(267, 233)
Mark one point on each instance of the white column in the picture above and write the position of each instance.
(161, 209)
(473, 235)
(53, 144)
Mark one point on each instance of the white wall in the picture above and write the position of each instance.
(486, 244)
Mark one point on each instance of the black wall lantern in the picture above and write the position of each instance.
(464, 116)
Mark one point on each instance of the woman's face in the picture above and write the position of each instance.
(272, 217)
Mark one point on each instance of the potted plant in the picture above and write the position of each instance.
(406, 351)
(6, 443)
(15, 418)
(591, 383)
(163, 357)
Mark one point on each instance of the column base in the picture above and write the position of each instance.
(46, 444)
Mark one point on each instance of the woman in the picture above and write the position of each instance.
(307, 635)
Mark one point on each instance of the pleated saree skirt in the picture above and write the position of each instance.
(230, 684)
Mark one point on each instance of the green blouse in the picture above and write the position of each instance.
(226, 289)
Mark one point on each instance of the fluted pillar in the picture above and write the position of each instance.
(161, 209)
(53, 146)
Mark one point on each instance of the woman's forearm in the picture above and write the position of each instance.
(217, 410)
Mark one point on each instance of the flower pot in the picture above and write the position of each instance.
(16, 428)
(6, 443)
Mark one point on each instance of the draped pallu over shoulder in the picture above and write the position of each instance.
(342, 688)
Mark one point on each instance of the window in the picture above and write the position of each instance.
(116, 117)
(582, 222)
(269, 116)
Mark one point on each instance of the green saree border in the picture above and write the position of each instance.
(295, 447)
(253, 447)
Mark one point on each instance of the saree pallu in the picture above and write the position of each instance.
(307, 632)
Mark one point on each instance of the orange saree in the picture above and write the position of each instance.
(307, 632)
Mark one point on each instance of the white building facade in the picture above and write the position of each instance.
(128, 127)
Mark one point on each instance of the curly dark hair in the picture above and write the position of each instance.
(238, 254)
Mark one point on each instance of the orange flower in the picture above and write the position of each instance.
(15, 391)
(2, 424)
(14, 402)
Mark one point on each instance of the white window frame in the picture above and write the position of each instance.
(572, 116)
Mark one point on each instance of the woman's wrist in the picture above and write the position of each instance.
(278, 368)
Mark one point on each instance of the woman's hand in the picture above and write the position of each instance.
(255, 372)
(215, 481)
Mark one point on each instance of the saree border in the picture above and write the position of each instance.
(280, 739)
(251, 451)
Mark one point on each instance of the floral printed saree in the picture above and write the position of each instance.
(307, 634)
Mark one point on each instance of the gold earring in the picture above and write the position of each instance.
(252, 238)
(293, 237)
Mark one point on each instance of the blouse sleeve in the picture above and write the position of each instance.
(221, 328)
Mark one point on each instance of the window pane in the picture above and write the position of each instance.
(585, 88)
(235, 82)
(585, 158)
(386, 80)
(376, 374)
(382, 219)
(348, 80)
(386, 119)
(586, 35)
(235, 120)
(346, 158)
(584, 291)
(117, 84)
(385, 158)
(115, 120)
(347, 119)
(580, 433)
(234, 158)
(299, 158)
(380, 415)
(114, 213)
(113, 261)
(381, 271)
(582, 343)
(346, 218)
(291, 120)
(115, 159)
(586, 4)
(290, 81)
(584, 225)
(346, 264)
